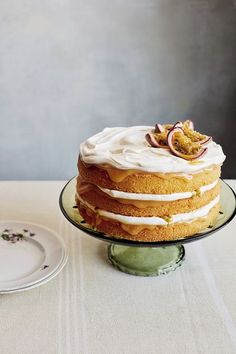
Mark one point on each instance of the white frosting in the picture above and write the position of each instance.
(127, 148)
(154, 220)
(156, 197)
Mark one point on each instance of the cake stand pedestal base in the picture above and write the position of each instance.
(146, 261)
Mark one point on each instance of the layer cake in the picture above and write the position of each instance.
(149, 183)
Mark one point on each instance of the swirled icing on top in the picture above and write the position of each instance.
(126, 148)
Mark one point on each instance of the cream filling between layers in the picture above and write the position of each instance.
(154, 220)
(156, 197)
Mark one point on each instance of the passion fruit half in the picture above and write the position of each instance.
(182, 146)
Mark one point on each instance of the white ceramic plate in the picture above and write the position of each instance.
(30, 255)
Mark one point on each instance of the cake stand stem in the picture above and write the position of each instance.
(146, 261)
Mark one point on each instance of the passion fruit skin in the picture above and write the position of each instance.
(206, 141)
(159, 128)
(151, 140)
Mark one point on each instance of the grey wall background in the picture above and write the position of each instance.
(68, 68)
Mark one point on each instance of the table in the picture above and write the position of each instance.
(91, 308)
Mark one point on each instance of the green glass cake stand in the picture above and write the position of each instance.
(146, 258)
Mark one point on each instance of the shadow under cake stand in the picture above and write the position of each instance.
(146, 258)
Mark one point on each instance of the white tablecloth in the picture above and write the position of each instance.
(91, 308)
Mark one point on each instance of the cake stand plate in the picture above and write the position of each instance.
(146, 258)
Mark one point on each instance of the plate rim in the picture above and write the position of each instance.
(39, 283)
